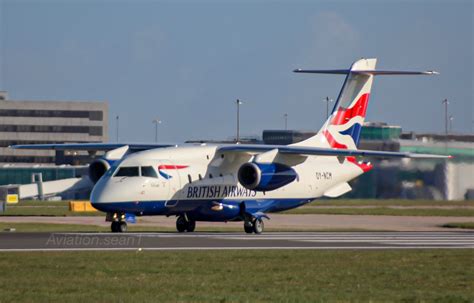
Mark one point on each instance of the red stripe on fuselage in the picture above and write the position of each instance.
(172, 166)
(345, 114)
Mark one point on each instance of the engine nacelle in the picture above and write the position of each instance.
(97, 169)
(265, 176)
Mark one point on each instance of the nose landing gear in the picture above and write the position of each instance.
(184, 224)
(119, 226)
(118, 222)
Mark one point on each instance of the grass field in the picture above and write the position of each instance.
(51, 227)
(379, 207)
(385, 211)
(466, 225)
(44, 208)
(388, 202)
(239, 276)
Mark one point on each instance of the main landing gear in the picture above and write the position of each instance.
(254, 226)
(184, 224)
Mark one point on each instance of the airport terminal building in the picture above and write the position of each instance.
(42, 122)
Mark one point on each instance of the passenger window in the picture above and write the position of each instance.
(130, 171)
(148, 171)
(190, 179)
(200, 177)
(210, 176)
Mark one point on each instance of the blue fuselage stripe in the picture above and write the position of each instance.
(202, 210)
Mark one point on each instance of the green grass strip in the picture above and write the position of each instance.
(466, 225)
(239, 276)
(384, 211)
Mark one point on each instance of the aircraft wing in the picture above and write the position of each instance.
(91, 146)
(317, 151)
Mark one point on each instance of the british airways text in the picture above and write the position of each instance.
(216, 191)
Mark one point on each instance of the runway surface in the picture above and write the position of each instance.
(221, 241)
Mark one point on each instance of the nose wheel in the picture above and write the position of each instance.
(119, 226)
(183, 224)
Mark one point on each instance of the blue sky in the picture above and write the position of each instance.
(187, 61)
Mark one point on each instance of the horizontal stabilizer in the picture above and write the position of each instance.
(364, 72)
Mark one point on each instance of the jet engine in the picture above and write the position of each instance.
(265, 176)
(100, 166)
(97, 169)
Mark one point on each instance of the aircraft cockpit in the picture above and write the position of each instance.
(135, 171)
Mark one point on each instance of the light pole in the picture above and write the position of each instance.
(446, 119)
(156, 122)
(117, 127)
(286, 121)
(451, 118)
(237, 137)
(445, 102)
(327, 100)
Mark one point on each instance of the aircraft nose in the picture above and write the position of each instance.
(103, 195)
(96, 194)
(99, 192)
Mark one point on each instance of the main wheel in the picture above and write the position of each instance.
(122, 227)
(181, 224)
(191, 226)
(248, 228)
(257, 225)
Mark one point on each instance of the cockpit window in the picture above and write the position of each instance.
(148, 171)
(130, 171)
(112, 169)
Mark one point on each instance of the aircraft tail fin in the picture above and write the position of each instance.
(343, 127)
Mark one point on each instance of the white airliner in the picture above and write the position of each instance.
(238, 182)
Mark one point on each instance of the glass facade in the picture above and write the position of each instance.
(22, 175)
(380, 132)
(91, 130)
(91, 115)
(6, 143)
(26, 159)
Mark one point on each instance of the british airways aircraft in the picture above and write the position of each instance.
(238, 182)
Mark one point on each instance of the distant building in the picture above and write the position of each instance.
(24, 174)
(42, 122)
(285, 137)
(374, 136)
(242, 140)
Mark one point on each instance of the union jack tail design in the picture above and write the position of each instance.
(342, 128)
